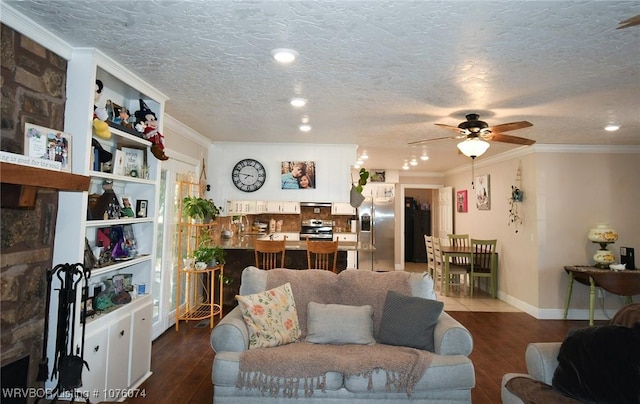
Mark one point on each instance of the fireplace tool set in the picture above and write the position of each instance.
(67, 364)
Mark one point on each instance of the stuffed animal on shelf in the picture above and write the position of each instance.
(100, 127)
(147, 123)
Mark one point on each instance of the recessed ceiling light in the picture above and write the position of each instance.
(424, 157)
(611, 128)
(283, 55)
(298, 102)
(305, 127)
(405, 166)
(364, 155)
(413, 162)
(359, 162)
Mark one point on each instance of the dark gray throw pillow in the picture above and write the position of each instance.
(600, 364)
(409, 321)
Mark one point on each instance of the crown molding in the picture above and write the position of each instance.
(173, 125)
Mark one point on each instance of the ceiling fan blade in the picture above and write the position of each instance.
(432, 140)
(629, 22)
(449, 127)
(505, 127)
(497, 137)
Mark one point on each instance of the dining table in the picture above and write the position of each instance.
(449, 252)
(623, 283)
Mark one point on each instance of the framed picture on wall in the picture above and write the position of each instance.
(461, 201)
(298, 175)
(483, 192)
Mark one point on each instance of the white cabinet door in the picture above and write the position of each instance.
(118, 357)
(95, 353)
(140, 343)
(290, 236)
(342, 208)
(273, 207)
(290, 207)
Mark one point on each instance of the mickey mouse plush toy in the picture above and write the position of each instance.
(147, 123)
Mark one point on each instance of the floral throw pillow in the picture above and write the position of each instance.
(271, 317)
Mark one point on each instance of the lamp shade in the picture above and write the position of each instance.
(473, 147)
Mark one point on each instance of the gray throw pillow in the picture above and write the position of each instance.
(409, 321)
(339, 324)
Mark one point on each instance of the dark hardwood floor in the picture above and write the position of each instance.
(181, 361)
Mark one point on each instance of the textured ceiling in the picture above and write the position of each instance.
(376, 73)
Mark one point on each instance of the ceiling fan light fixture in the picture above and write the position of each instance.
(474, 147)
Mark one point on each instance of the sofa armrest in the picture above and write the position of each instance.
(507, 396)
(542, 360)
(231, 333)
(451, 338)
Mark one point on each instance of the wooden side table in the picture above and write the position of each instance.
(623, 283)
(199, 294)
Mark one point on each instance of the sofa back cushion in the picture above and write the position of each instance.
(350, 287)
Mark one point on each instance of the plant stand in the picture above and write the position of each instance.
(199, 294)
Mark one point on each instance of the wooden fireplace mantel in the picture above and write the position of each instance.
(20, 183)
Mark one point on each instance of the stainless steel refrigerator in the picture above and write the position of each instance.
(377, 226)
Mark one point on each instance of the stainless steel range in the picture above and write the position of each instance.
(316, 229)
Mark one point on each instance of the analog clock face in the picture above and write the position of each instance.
(248, 175)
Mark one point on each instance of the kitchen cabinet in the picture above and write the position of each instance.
(241, 208)
(82, 219)
(342, 208)
(352, 256)
(280, 207)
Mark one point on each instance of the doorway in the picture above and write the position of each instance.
(425, 198)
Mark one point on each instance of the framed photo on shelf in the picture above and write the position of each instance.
(118, 163)
(118, 283)
(127, 208)
(133, 161)
(87, 308)
(48, 144)
(461, 201)
(141, 208)
(483, 192)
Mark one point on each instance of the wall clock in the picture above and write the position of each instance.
(248, 175)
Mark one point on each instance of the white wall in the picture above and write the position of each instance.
(567, 190)
(333, 179)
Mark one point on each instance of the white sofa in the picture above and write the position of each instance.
(448, 379)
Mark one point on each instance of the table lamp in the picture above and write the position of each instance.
(604, 235)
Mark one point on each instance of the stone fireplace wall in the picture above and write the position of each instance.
(33, 90)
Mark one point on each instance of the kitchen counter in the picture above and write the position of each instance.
(247, 243)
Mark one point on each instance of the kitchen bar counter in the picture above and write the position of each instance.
(247, 243)
(240, 254)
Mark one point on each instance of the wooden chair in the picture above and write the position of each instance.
(322, 255)
(457, 275)
(484, 264)
(431, 262)
(267, 252)
(460, 240)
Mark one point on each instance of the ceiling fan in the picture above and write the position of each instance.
(477, 132)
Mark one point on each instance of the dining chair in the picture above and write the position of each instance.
(322, 255)
(484, 264)
(267, 253)
(460, 240)
(457, 274)
(431, 269)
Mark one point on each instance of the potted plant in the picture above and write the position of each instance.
(212, 256)
(356, 197)
(198, 208)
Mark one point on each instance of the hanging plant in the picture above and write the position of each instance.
(355, 197)
(514, 216)
(196, 207)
